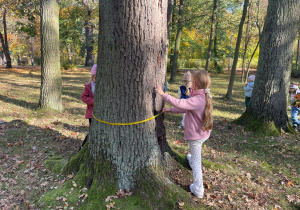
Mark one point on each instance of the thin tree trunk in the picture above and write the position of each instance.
(177, 44)
(248, 67)
(267, 108)
(216, 47)
(212, 34)
(247, 40)
(237, 50)
(31, 50)
(4, 42)
(51, 83)
(69, 54)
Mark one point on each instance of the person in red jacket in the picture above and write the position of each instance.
(198, 122)
(88, 94)
(88, 97)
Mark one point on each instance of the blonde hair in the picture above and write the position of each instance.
(202, 81)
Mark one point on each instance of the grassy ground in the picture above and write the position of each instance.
(241, 170)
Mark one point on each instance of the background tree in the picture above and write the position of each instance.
(237, 51)
(267, 109)
(89, 32)
(4, 41)
(51, 84)
(177, 42)
(212, 33)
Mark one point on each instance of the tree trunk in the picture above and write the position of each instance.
(31, 50)
(297, 59)
(131, 56)
(237, 51)
(267, 109)
(177, 44)
(247, 40)
(216, 47)
(212, 34)
(51, 84)
(89, 30)
(69, 54)
(248, 67)
(4, 42)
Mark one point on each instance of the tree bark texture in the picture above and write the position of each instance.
(4, 42)
(51, 83)
(212, 34)
(177, 43)
(237, 50)
(89, 30)
(268, 101)
(298, 52)
(131, 57)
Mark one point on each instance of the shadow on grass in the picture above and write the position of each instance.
(22, 103)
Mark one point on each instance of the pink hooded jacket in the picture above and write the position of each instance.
(88, 97)
(194, 109)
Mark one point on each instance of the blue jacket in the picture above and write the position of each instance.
(248, 89)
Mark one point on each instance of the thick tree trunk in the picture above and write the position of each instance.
(212, 34)
(89, 31)
(4, 42)
(237, 51)
(51, 84)
(131, 56)
(268, 101)
(177, 44)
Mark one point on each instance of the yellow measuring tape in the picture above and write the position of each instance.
(133, 123)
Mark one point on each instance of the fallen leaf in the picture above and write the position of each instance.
(110, 197)
(181, 203)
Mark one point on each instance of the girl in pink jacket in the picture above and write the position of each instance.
(198, 122)
(88, 97)
(88, 94)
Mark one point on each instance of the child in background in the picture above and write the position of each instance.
(294, 90)
(248, 88)
(198, 122)
(88, 97)
(184, 92)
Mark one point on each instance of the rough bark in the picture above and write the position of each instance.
(212, 34)
(268, 101)
(237, 51)
(51, 84)
(297, 58)
(177, 44)
(133, 40)
(247, 40)
(4, 42)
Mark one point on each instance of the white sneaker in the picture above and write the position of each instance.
(181, 127)
(196, 194)
(189, 156)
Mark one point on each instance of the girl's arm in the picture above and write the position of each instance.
(192, 103)
(86, 98)
(247, 88)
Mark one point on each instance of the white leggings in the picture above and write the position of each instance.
(195, 163)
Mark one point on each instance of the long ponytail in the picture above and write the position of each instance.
(202, 81)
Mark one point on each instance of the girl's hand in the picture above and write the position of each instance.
(166, 109)
(159, 90)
